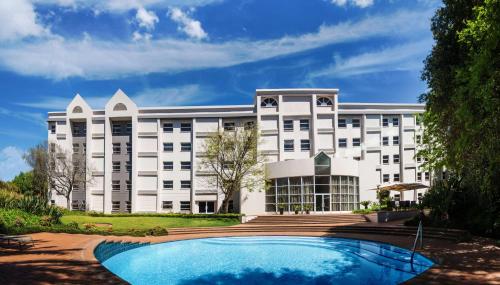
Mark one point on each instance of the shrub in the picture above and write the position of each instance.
(157, 231)
(89, 227)
(362, 211)
(365, 204)
(73, 225)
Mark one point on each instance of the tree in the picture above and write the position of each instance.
(462, 126)
(233, 160)
(66, 171)
(24, 182)
(37, 158)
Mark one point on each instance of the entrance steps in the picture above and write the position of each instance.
(308, 219)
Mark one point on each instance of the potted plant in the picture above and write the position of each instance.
(365, 204)
(281, 208)
(297, 208)
(307, 208)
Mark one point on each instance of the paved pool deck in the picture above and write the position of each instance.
(68, 258)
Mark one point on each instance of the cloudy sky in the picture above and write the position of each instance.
(191, 52)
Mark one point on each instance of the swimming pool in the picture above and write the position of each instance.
(266, 260)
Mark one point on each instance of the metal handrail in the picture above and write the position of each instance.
(418, 236)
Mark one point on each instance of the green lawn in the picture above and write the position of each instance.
(140, 223)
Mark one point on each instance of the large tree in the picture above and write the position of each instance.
(66, 171)
(234, 163)
(462, 115)
(37, 158)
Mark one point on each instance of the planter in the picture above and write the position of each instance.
(282, 211)
(296, 212)
(308, 212)
(387, 216)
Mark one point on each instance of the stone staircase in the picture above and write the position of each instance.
(327, 224)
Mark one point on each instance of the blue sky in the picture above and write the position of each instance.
(192, 52)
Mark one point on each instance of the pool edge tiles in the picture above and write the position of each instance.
(270, 259)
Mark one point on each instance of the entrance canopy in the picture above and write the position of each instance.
(400, 187)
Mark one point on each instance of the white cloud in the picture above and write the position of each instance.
(18, 20)
(96, 59)
(408, 56)
(138, 36)
(190, 94)
(358, 3)
(146, 19)
(189, 26)
(11, 162)
(32, 117)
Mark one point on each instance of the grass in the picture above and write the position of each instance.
(143, 223)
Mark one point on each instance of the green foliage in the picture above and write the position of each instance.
(363, 211)
(24, 182)
(384, 197)
(365, 204)
(167, 215)
(462, 110)
(30, 204)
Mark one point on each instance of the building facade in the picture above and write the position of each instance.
(320, 154)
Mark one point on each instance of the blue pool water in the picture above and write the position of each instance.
(266, 260)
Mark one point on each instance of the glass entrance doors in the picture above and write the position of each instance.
(206, 207)
(322, 202)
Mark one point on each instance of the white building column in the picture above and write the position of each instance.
(314, 125)
(193, 164)
(281, 148)
(135, 141)
(159, 165)
(108, 165)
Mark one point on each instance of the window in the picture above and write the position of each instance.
(323, 102)
(418, 119)
(128, 166)
(396, 177)
(358, 158)
(342, 123)
(304, 125)
(427, 176)
(74, 204)
(185, 184)
(395, 140)
(186, 146)
(343, 142)
(419, 159)
(52, 147)
(129, 128)
(128, 206)
(167, 205)
(116, 166)
(52, 128)
(249, 125)
(419, 176)
(120, 107)
(305, 145)
(168, 127)
(129, 185)
(53, 202)
(395, 158)
(185, 127)
(228, 165)
(76, 187)
(356, 123)
(229, 126)
(185, 165)
(115, 185)
(289, 145)
(385, 122)
(168, 165)
(397, 197)
(288, 125)
(116, 129)
(116, 148)
(84, 148)
(385, 159)
(185, 205)
(129, 148)
(269, 103)
(168, 147)
(356, 142)
(386, 178)
(115, 206)
(395, 122)
(419, 139)
(76, 148)
(168, 184)
(385, 140)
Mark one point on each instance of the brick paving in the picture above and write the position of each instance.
(69, 259)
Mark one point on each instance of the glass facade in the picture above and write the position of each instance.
(322, 192)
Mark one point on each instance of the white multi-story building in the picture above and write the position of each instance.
(320, 153)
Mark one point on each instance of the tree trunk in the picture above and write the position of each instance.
(68, 203)
(225, 203)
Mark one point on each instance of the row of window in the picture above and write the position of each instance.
(115, 206)
(76, 147)
(117, 166)
(288, 125)
(169, 165)
(169, 205)
(396, 177)
(343, 142)
(395, 159)
(304, 145)
(117, 149)
(169, 147)
(270, 102)
(115, 185)
(169, 127)
(169, 184)
(118, 129)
